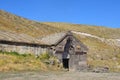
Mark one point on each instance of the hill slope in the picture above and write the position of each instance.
(95, 30)
(101, 53)
(18, 24)
(10, 22)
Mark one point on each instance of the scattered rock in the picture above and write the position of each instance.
(101, 69)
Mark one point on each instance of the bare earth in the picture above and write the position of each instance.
(59, 76)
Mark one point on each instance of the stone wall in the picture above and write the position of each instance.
(22, 49)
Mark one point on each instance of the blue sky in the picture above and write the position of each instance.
(91, 12)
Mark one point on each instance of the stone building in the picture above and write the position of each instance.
(64, 45)
(21, 43)
(68, 49)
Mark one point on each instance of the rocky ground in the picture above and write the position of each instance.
(59, 76)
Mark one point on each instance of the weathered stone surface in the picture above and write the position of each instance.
(14, 37)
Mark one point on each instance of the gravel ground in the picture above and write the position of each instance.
(59, 76)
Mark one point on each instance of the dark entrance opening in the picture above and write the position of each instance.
(66, 54)
(66, 63)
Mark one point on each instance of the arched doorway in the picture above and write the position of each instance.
(66, 54)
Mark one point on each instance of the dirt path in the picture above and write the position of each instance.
(59, 76)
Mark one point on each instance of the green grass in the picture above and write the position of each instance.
(51, 61)
(13, 61)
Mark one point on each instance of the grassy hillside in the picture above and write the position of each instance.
(10, 22)
(100, 53)
(100, 31)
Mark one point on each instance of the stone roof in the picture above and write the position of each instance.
(53, 38)
(14, 37)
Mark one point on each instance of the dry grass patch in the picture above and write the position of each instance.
(10, 61)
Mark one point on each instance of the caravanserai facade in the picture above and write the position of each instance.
(64, 45)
